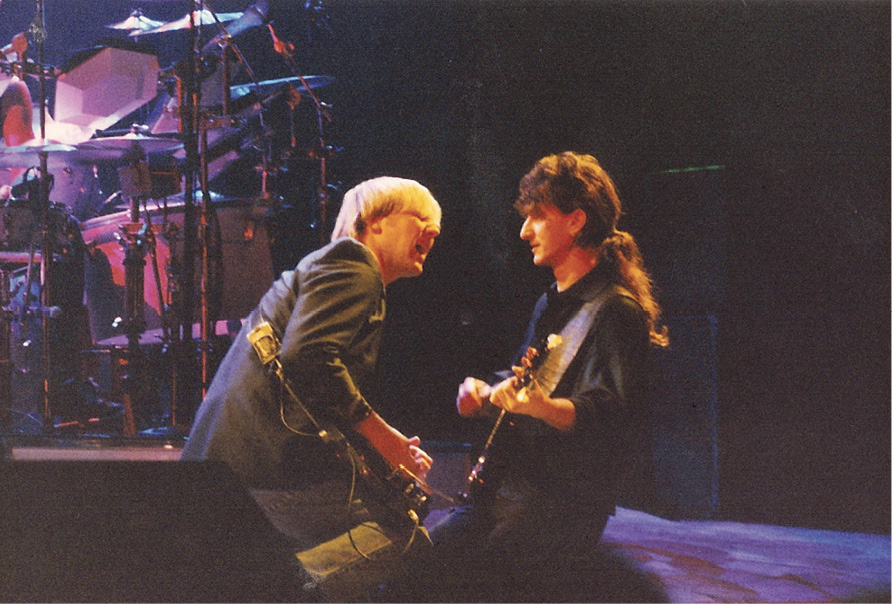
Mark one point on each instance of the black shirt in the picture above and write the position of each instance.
(607, 383)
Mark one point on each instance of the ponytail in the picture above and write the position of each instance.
(620, 255)
(570, 181)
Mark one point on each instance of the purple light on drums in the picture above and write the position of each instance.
(102, 90)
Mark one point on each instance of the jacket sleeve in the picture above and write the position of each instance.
(332, 333)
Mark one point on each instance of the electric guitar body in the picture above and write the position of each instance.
(403, 497)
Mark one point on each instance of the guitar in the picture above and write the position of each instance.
(484, 478)
(402, 497)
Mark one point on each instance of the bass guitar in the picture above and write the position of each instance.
(485, 476)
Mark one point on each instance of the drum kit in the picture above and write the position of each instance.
(97, 292)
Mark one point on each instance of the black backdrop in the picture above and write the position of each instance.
(750, 141)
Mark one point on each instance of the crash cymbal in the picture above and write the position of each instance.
(268, 86)
(59, 155)
(199, 17)
(254, 16)
(136, 22)
(28, 154)
(149, 144)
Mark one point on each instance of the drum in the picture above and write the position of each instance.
(20, 227)
(74, 186)
(21, 239)
(77, 187)
(239, 258)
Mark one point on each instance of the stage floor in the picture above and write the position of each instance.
(688, 560)
(720, 561)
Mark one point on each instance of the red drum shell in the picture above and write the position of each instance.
(241, 270)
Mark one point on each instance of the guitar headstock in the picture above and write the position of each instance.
(533, 359)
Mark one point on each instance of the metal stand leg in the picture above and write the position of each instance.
(6, 367)
(134, 309)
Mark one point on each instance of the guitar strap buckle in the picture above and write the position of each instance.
(265, 343)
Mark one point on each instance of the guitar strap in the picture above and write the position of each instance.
(572, 336)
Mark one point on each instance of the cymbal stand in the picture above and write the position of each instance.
(135, 185)
(152, 243)
(194, 124)
(46, 241)
(206, 122)
(323, 151)
(188, 90)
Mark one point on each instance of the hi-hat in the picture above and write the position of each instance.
(149, 144)
(199, 17)
(136, 22)
(267, 86)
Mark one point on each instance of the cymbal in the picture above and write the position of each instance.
(254, 16)
(149, 144)
(28, 154)
(59, 155)
(268, 86)
(136, 22)
(200, 17)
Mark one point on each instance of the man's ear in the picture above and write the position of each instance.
(578, 218)
(374, 225)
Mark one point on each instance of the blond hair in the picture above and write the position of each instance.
(380, 197)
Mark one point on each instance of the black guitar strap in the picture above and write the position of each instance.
(572, 336)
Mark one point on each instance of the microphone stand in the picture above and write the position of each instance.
(323, 115)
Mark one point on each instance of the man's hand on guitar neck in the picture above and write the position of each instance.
(472, 394)
(559, 413)
(396, 448)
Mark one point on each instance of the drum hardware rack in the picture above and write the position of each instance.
(137, 236)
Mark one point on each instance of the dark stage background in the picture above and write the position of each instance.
(750, 142)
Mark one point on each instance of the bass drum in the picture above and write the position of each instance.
(239, 260)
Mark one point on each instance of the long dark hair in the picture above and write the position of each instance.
(570, 181)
